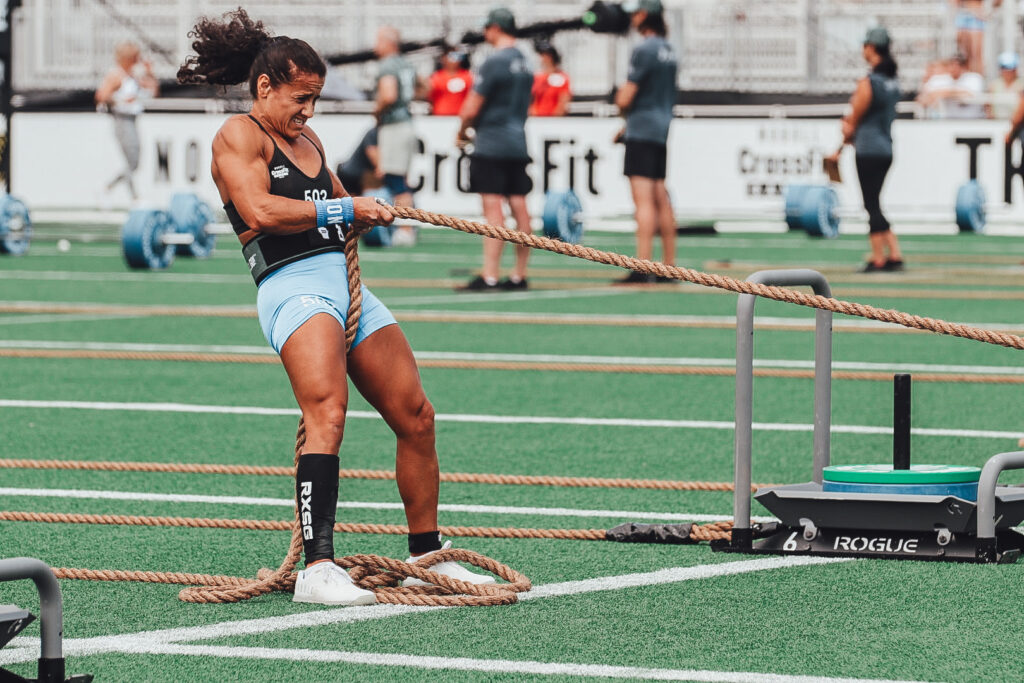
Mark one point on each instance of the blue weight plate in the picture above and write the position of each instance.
(15, 226)
(970, 207)
(966, 491)
(563, 216)
(819, 215)
(191, 215)
(794, 200)
(142, 239)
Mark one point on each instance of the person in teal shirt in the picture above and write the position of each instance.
(646, 99)
(397, 84)
(868, 127)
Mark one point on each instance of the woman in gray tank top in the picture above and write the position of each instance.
(868, 127)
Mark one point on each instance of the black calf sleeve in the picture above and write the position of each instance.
(316, 490)
(424, 543)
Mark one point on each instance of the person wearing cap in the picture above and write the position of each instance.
(1006, 89)
(551, 91)
(868, 127)
(396, 138)
(646, 99)
(496, 110)
(450, 84)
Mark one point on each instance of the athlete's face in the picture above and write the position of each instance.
(290, 105)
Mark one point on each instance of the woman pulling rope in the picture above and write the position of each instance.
(292, 216)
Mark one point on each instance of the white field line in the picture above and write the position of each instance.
(81, 276)
(34, 319)
(494, 666)
(794, 323)
(472, 298)
(360, 505)
(253, 411)
(525, 357)
(134, 642)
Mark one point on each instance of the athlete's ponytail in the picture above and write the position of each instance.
(235, 48)
(886, 67)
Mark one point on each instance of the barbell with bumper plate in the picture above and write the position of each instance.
(813, 209)
(563, 216)
(970, 207)
(921, 480)
(191, 216)
(15, 226)
(147, 238)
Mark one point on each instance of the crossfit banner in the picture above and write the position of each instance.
(717, 168)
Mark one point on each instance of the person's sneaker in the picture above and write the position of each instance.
(478, 284)
(662, 280)
(893, 265)
(513, 285)
(452, 570)
(635, 277)
(404, 236)
(870, 267)
(325, 583)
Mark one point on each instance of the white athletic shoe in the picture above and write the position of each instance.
(326, 583)
(451, 569)
(404, 236)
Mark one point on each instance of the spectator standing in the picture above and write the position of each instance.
(122, 93)
(1005, 91)
(868, 127)
(396, 138)
(647, 98)
(450, 84)
(551, 90)
(361, 171)
(496, 109)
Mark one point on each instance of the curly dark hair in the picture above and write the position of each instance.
(235, 48)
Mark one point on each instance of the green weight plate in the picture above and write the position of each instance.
(917, 474)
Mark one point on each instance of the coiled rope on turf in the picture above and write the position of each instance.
(711, 280)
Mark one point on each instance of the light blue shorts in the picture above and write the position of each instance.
(294, 293)
(968, 21)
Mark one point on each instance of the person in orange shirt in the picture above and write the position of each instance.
(551, 92)
(450, 84)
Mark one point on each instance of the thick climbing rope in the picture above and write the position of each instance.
(711, 280)
(698, 532)
(447, 477)
(550, 366)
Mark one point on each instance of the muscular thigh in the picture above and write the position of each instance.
(384, 371)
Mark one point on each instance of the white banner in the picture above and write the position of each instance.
(717, 168)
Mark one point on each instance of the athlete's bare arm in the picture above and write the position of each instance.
(111, 82)
(471, 107)
(240, 158)
(859, 104)
(625, 95)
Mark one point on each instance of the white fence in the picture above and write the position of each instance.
(774, 46)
